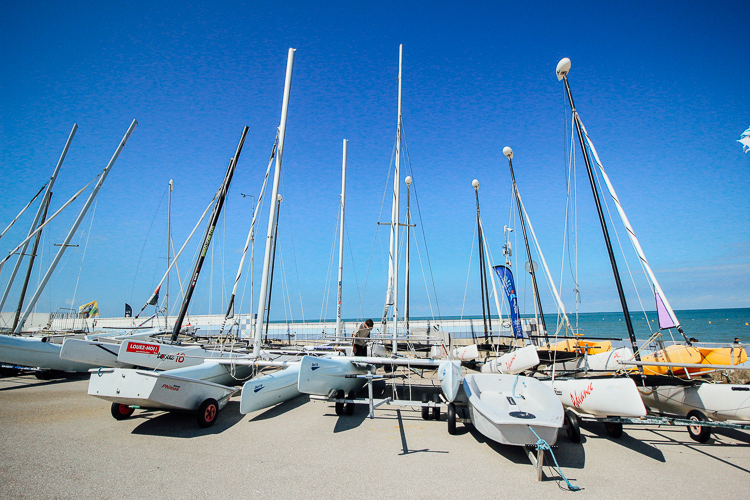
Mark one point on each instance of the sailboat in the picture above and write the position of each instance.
(204, 386)
(667, 375)
(44, 352)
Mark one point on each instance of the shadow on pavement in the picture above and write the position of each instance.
(184, 424)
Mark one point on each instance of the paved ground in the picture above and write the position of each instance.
(58, 442)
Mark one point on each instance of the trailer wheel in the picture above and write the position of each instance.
(436, 408)
(698, 432)
(572, 426)
(120, 411)
(451, 419)
(207, 413)
(614, 429)
(425, 408)
(349, 408)
(339, 406)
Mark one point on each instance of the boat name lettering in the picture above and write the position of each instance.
(171, 387)
(139, 348)
(180, 357)
(314, 366)
(507, 365)
(578, 398)
(258, 388)
(558, 392)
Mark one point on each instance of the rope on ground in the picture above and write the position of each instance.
(541, 444)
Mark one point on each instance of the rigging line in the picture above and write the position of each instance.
(83, 257)
(145, 240)
(424, 279)
(421, 225)
(327, 287)
(468, 272)
(622, 252)
(48, 221)
(299, 285)
(354, 269)
(24, 209)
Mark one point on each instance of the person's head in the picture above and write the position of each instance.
(369, 323)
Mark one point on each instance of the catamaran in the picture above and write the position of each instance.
(667, 376)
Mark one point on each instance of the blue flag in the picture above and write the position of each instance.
(506, 278)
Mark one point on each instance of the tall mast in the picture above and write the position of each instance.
(395, 213)
(508, 152)
(563, 67)
(169, 250)
(74, 228)
(407, 181)
(486, 318)
(341, 242)
(42, 208)
(262, 293)
(208, 236)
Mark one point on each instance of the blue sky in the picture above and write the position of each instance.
(661, 88)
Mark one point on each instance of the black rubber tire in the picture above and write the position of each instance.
(614, 429)
(451, 419)
(436, 408)
(43, 374)
(349, 408)
(208, 411)
(700, 434)
(339, 406)
(120, 411)
(572, 426)
(8, 372)
(425, 408)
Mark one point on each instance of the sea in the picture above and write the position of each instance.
(706, 325)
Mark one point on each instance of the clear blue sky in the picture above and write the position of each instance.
(661, 88)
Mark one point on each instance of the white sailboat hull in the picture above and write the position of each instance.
(271, 389)
(716, 401)
(606, 397)
(92, 352)
(326, 376)
(164, 356)
(507, 414)
(155, 390)
(513, 362)
(38, 353)
(450, 377)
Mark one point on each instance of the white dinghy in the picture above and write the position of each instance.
(506, 408)
(268, 390)
(130, 389)
(599, 397)
(513, 362)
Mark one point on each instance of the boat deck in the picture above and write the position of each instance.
(58, 442)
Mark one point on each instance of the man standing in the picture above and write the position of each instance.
(359, 338)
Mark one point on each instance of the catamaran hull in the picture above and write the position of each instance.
(270, 389)
(716, 401)
(92, 352)
(38, 353)
(161, 356)
(505, 408)
(450, 377)
(326, 376)
(605, 397)
(155, 390)
(513, 362)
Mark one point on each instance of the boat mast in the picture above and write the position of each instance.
(169, 249)
(341, 242)
(208, 236)
(262, 293)
(74, 228)
(508, 152)
(407, 181)
(42, 208)
(486, 318)
(395, 214)
(563, 67)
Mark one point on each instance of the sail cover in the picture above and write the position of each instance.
(745, 140)
(506, 278)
